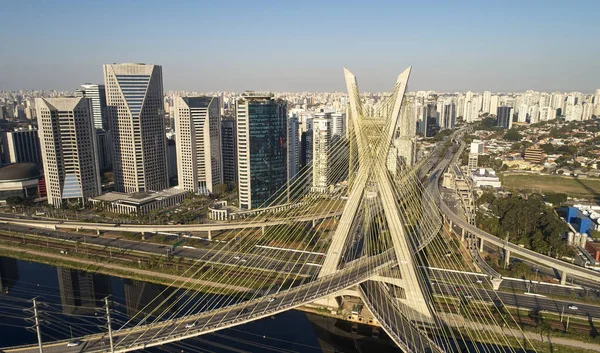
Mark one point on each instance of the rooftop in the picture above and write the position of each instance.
(19, 171)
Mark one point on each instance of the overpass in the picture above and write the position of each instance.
(453, 219)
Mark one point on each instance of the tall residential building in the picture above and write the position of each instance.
(261, 145)
(338, 124)
(547, 113)
(447, 115)
(293, 147)
(504, 117)
(97, 94)
(198, 126)
(21, 146)
(229, 149)
(494, 102)
(134, 98)
(322, 159)
(68, 144)
(573, 112)
(487, 102)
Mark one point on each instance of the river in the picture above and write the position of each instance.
(70, 303)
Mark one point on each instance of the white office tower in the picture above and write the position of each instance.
(68, 144)
(338, 124)
(573, 112)
(473, 112)
(97, 94)
(447, 117)
(460, 105)
(494, 104)
(134, 98)
(547, 113)
(322, 159)
(523, 111)
(487, 102)
(477, 147)
(198, 145)
(293, 148)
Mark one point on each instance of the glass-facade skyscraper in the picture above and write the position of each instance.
(262, 149)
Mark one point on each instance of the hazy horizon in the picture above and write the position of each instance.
(295, 47)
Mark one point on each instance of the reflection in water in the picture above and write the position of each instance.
(72, 300)
(147, 298)
(82, 292)
(8, 274)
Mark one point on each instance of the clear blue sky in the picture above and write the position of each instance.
(303, 45)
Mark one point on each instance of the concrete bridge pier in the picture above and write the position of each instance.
(563, 278)
(97, 231)
(209, 235)
(481, 244)
(496, 283)
(262, 230)
(507, 257)
(462, 234)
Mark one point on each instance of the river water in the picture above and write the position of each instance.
(71, 304)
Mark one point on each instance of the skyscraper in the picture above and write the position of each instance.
(262, 153)
(135, 108)
(447, 115)
(293, 147)
(68, 144)
(104, 150)
(504, 117)
(487, 102)
(21, 146)
(229, 149)
(199, 159)
(322, 159)
(97, 94)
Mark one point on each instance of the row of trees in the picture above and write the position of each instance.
(527, 221)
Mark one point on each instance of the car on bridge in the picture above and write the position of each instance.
(573, 307)
(190, 325)
(73, 343)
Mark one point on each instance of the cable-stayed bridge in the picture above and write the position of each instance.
(376, 239)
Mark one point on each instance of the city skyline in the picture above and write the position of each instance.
(456, 47)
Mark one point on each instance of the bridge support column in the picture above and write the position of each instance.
(462, 234)
(314, 223)
(330, 302)
(481, 244)
(507, 257)
(563, 278)
(496, 283)
(450, 225)
(97, 231)
(262, 229)
(209, 235)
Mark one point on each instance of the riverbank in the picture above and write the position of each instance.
(114, 269)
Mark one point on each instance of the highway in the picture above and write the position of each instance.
(219, 255)
(519, 299)
(557, 264)
(142, 337)
(403, 332)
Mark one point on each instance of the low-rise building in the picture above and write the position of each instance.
(139, 203)
(19, 180)
(534, 154)
(486, 177)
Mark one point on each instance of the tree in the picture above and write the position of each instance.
(520, 269)
(556, 198)
(14, 201)
(513, 135)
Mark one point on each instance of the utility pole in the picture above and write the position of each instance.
(110, 338)
(37, 325)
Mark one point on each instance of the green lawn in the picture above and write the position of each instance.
(552, 183)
